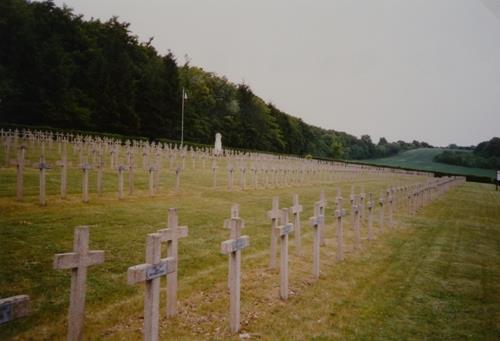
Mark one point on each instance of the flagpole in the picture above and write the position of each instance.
(182, 119)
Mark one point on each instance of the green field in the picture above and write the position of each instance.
(422, 159)
(436, 276)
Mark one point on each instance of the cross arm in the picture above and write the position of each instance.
(170, 234)
(273, 214)
(233, 245)
(14, 307)
(145, 272)
(284, 229)
(72, 259)
(315, 221)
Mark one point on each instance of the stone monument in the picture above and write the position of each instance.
(218, 144)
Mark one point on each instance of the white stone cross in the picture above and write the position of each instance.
(214, 172)
(339, 214)
(78, 261)
(151, 170)
(42, 166)
(274, 214)
(19, 172)
(100, 169)
(282, 232)
(370, 216)
(85, 184)
(390, 199)
(171, 235)
(64, 170)
(230, 171)
(356, 210)
(150, 273)
(322, 205)
(178, 171)
(231, 225)
(296, 209)
(121, 169)
(381, 202)
(316, 223)
(233, 247)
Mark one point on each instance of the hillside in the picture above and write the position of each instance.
(422, 159)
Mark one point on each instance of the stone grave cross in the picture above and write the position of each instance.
(274, 214)
(370, 216)
(233, 247)
(322, 205)
(85, 167)
(42, 166)
(171, 235)
(150, 273)
(316, 223)
(381, 202)
(339, 214)
(282, 232)
(78, 261)
(296, 209)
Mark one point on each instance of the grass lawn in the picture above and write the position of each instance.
(437, 276)
(422, 159)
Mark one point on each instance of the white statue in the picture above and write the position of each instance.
(218, 144)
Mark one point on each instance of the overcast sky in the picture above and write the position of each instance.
(403, 69)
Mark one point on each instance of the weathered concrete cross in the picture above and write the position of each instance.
(296, 209)
(78, 261)
(282, 232)
(233, 247)
(316, 223)
(231, 225)
(356, 211)
(339, 214)
(42, 166)
(85, 167)
(370, 216)
(171, 235)
(121, 169)
(381, 202)
(322, 205)
(274, 214)
(150, 273)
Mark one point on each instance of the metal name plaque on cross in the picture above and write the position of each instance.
(5, 312)
(156, 270)
(239, 244)
(287, 229)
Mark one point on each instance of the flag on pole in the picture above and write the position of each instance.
(185, 95)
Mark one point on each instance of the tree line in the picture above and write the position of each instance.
(59, 70)
(485, 155)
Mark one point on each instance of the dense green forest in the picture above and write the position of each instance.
(59, 70)
(484, 155)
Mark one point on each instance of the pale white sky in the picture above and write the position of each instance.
(404, 69)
